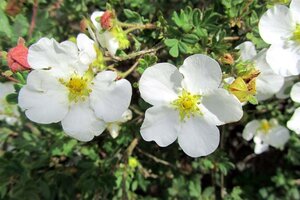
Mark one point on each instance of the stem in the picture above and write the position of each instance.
(222, 189)
(136, 54)
(34, 13)
(232, 38)
(140, 27)
(157, 160)
(10, 78)
(143, 26)
(131, 69)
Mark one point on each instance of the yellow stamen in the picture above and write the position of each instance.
(78, 87)
(265, 126)
(187, 104)
(296, 34)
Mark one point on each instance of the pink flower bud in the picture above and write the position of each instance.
(105, 20)
(17, 57)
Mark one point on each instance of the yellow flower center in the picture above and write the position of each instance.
(187, 104)
(78, 87)
(296, 34)
(265, 126)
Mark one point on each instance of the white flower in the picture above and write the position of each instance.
(8, 112)
(61, 88)
(280, 27)
(187, 104)
(266, 133)
(115, 127)
(267, 83)
(106, 38)
(293, 124)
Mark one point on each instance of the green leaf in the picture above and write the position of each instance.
(174, 51)
(253, 100)
(190, 38)
(171, 42)
(20, 27)
(12, 98)
(133, 16)
(5, 26)
(197, 17)
(183, 48)
(201, 32)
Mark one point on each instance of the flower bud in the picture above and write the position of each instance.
(14, 7)
(83, 25)
(17, 57)
(227, 58)
(106, 20)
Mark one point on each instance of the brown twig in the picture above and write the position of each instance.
(10, 78)
(158, 160)
(131, 69)
(34, 13)
(136, 54)
(232, 38)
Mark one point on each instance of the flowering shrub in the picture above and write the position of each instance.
(95, 96)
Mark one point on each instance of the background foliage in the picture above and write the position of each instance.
(41, 162)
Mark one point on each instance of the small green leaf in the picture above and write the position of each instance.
(190, 38)
(197, 17)
(12, 98)
(183, 48)
(253, 100)
(174, 51)
(171, 42)
(4, 24)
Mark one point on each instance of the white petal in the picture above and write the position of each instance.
(110, 98)
(247, 50)
(267, 85)
(201, 73)
(284, 62)
(225, 106)
(293, 124)
(276, 25)
(96, 14)
(87, 50)
(114, 129)
(260, 146)
(284, 91)
(111, 42)
(81, 122)
(126, 116)
(251, 129)
(198, 137)
(47, 53)
(5, 89)
(295, 92)
(159, 84)
(295, 9)
(44, 98)
(161, 125)
(277, 136)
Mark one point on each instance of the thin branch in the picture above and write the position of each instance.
(158, 160)
(136, 54)
(131, 69)
(10, 78)
(232, 38)
(34, 13)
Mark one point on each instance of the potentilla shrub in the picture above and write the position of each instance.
(141, 99)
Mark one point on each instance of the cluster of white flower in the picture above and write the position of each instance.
(63, 88)
(279, 27)
(69, 84)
